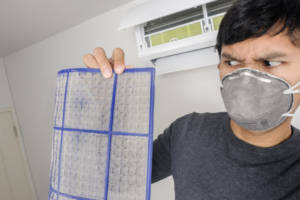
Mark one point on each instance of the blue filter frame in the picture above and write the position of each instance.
(103, 134)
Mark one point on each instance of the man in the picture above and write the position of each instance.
(251, 151)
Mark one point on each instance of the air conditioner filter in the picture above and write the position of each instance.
(102, 141)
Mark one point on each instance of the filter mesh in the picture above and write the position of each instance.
(128, 172)
(102, 141)
(87, 152)
(135, 107)
(88, 101)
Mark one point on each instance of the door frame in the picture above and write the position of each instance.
(22, 147)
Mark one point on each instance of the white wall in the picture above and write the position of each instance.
(32, 75)
(5, 97)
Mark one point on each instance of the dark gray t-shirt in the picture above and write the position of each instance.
(208, 162)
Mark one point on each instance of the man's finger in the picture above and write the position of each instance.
(111, 61)
(118, 58)
(103, 62)
(90, 61)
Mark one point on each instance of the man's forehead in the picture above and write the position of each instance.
(266, 46)
(256, 51)
(266, 55)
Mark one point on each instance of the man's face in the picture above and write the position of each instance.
(275, 55)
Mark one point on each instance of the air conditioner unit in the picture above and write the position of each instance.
(177, 35)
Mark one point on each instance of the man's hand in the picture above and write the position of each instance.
(99, 60)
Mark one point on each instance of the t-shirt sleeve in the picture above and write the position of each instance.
(161, 158)
(164, 147)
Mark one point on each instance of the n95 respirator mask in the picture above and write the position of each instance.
(257, 100)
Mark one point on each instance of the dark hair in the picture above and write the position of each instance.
(253, 18)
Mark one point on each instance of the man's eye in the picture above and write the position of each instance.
(272, 63)
(232, 62)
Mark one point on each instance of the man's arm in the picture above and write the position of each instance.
(161, 159)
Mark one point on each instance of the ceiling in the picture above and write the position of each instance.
(24, 22)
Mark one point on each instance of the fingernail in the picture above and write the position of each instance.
(107, 72)
(119, 69)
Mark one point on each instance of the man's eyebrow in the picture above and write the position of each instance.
(272, 55)
(230, 57)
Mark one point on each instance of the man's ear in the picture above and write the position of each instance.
(219, 66)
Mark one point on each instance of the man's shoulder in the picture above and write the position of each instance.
(195, 128)
(198, 121)
(206, 117)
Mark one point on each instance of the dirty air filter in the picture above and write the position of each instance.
(102, 142)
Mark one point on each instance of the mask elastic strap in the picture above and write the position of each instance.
(288, 115)
(291, 90)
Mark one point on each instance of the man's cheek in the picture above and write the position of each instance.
(297, 101)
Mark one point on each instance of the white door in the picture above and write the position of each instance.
(15, 181)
